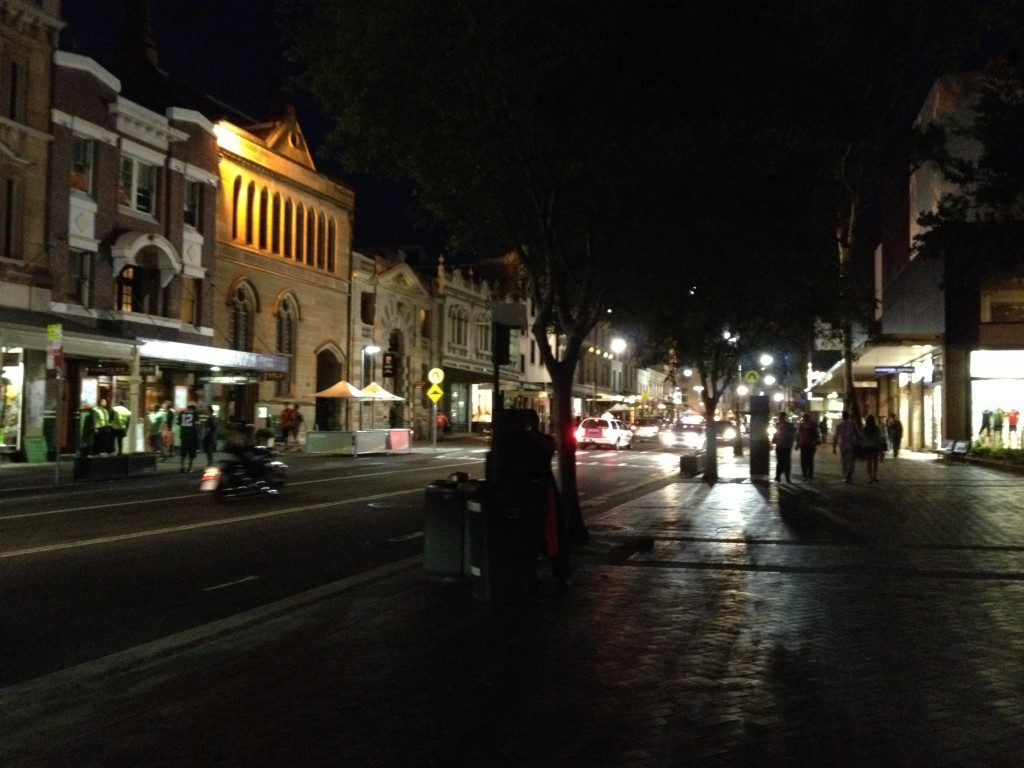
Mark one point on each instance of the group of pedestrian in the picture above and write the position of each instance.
(869, 443)
(102, 429)
(290, 422)
(183, 433)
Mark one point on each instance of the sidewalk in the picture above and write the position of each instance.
(740, 624)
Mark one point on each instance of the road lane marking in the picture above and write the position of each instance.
(227, 584)
(196, 526)
(407, 537)
(135, 503)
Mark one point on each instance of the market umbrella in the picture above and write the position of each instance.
(341, 389)
(374, 391)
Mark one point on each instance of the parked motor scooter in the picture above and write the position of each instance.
(257, 472)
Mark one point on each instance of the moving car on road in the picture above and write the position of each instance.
(598, 431)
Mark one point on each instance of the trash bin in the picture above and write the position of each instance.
(502, 543)
(444, 529)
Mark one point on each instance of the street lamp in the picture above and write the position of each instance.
(369, 349)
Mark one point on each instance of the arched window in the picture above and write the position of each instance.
(250, 211)
(300, 232)
(236, 201)
(242, 318)
(275, 225)
(264, 204)
(331, 237)
(287, 330)
(125, 286)
(288, 228)
(321, 242)
(310, 237)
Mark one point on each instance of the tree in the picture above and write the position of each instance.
(526, 126)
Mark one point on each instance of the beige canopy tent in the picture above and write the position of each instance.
(374, 391)
(341, 389)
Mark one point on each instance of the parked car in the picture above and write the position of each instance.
(647, 427)
(593, 432)
(686, 435)
(726, 431)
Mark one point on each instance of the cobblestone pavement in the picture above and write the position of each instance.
(740, 624)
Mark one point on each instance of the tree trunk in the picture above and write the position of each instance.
(566, 435)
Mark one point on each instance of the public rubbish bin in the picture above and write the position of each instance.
(444, 529)
(502, 543)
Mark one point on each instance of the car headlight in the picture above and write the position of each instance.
(668, 438)
(729, 434)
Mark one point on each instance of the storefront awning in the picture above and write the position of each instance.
(176, 351)
(157, 349)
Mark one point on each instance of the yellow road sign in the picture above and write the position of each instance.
(751, 377)
(435, 376)
(434, 393)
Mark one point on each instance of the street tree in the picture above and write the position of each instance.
(527, 126)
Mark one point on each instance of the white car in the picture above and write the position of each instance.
(593, 432)
(647, 427)
(688, 436)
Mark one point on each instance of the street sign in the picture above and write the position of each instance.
(435, 376)
(751, 377)
(434, 393)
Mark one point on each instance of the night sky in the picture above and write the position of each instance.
(231, 50)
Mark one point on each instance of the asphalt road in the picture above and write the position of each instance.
(89, 570)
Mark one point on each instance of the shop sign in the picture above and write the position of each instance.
(890, 370)
(274, 376)
(390, 364)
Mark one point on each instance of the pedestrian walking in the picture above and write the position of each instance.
(783, 440)
(120, 418)
(872, 446)
(844, 438)
(209, 440)
(894, 429)
(297, 421)
(167, 432)
(104, 440)
(284, 424)
(188, 427)
(807, 439)
(549, 520)
(155, 425)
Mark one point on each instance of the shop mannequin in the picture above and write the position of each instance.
(1012, 416)
(997, 425)
(986, 424)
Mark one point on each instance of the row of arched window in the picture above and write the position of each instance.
(275, 224)
(242, 307)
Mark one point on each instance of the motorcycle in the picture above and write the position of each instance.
(234, 475)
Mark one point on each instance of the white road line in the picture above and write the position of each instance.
(407, 537)
(196, 526)
(227, 584)
(136, 502)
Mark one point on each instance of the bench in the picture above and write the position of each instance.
(955, 450)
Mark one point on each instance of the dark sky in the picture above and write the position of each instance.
(231, 49)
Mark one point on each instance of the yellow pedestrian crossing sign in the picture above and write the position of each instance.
(434, 393)
(751, 377)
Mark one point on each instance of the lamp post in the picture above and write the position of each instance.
(369, 349)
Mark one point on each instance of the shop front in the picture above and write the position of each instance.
(997, 394)
(55, 371)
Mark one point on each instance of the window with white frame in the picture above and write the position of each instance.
(81, 277)
(458, 327)
(82, 160)
(193, 213)
(137, 188)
